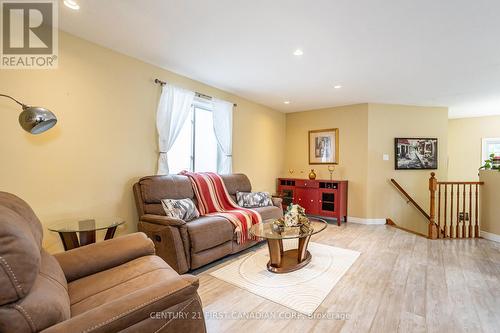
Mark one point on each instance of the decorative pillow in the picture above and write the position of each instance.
(183, 209)
(254, 199)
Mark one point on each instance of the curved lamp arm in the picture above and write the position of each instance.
(15, 100)
(34, 119)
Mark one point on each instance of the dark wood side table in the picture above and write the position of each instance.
(281, 261)
(76, 233)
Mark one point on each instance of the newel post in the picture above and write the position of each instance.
(433, 232)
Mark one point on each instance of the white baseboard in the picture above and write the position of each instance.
(490, 236)
(359, 220)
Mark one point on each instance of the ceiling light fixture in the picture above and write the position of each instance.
(338, 86)
(71, 4)
(286, 102)
(298, 52)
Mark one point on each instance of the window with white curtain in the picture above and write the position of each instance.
(490, 146)
(195, 149)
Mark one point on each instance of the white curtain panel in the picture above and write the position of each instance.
(173, 110)
(223, 128)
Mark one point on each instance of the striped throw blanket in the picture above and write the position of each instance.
(214, 200)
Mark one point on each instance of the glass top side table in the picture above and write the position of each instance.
(76, 233)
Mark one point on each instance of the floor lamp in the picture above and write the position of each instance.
(34, 119)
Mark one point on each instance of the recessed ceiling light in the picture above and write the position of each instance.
(286, 102)
(298, 52)
(71, 4)
(338, 86)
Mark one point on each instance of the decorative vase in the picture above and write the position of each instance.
(312, 175)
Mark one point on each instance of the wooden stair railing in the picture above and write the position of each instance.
(410, 199)
(461, 219)
(457, 213)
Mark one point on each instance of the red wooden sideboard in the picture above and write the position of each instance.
(326, 198)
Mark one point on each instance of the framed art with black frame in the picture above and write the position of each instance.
(415, 153)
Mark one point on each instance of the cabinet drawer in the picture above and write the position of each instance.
(306, 183)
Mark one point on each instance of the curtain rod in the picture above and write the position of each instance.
(162, 83)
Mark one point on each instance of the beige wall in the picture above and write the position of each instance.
(490, 209)
(367, 131)
(464, 145)
(352, 122)
(385, 123)
(106, 136)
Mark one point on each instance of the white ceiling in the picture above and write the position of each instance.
(418, 52)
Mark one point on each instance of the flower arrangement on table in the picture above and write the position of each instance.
(295, 216)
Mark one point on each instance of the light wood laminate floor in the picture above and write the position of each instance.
(401, 283)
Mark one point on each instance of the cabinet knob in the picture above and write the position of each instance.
(320, 201)
(300, 199)
(312, 200)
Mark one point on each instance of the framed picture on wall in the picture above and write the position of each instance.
(416, 153)
(324, 146)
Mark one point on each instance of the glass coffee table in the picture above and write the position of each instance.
(287, 261)
(70, 230)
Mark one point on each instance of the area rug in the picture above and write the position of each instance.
(302, 290)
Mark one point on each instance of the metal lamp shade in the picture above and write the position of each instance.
(36, 120)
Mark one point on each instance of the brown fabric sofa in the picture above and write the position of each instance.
(189, 245)
(115, 285)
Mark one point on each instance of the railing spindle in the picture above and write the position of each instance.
(445, 210)
(439, 211)
(463, 213)
(469, 230)
(457, 235)
(476, 226)
(451, 212)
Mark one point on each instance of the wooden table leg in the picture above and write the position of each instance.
(281, 261)
(87, 237)
(69, 240)
(110, 233)
(275, 252)
(302, 251)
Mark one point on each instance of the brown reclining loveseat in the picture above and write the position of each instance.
(189, 245)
